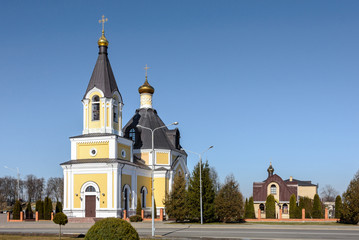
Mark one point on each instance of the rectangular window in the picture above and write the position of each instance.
(95, 111)
(115, 115)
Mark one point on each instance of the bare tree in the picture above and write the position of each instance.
(328, 194)
(9, 189)
(214, 176)
(34, 187)
(55, 188)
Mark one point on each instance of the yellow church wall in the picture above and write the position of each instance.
(97, 123)
(307, 191)
(144, 156)
(276, 196)
(83, 150)
(162, 158)
(144, 182)
(99, 178)
(126, 179)
(160, 191)
(127, 150)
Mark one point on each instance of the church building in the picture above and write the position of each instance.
(111, 167)
(281, 190)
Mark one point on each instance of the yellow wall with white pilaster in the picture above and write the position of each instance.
(161, 187)
(144, 182)
(83, 150)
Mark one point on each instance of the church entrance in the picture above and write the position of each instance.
(90, 206)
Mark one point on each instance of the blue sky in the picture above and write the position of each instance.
(260, 80)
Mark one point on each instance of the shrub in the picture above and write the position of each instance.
(136, 218)
(317, 207)
(338, 207)
(139, 207)
(270, 206)
(40, 209)
(58, 207)
(47, 208)
(16, 210)
(61, 219)
(251, 213)
(292, 206)
(111, 229)
(28, 211)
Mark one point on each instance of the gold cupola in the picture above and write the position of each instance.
(146, 88)
(102, 40)
(146, 91)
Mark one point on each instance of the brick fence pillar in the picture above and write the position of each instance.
(142, 214)
(8, 217)
(21, 216)
(280, 214)
(52, 216)
(259, 214)
(326, 214)
(303, 213)
(124, 214)
(161, 214)
(37, 216)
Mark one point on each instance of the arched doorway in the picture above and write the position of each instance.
(126, 193)
(89, 194)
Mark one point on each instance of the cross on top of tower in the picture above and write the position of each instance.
(146, 68)
(103, 20)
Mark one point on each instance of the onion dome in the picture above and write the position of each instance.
(270, 170)
(102, 40)
(146, 88)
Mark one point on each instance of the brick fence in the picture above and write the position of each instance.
(303, 219)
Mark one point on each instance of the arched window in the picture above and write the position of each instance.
(285, 208)
(143, 196)
(115, 111)
(132, 134)
(273, 189)
(95, 108)
(261, 207)
(90, 189)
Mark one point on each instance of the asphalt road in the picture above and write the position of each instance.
(207, 231)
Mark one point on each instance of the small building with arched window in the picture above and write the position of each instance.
(281, 190)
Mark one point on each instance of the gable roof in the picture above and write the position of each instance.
(102, 75)
(286, 189)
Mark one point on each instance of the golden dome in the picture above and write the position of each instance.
(146, 88)
(102, 40)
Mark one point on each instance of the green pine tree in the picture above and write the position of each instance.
(208, 194)
(139, 207)
(350, 208)
(251, 208)
(292, 206)
(229, 201)
(58, 207)
(246, 209)
(270, 206)
(16, 210)
(338, 207)
(40, 209)
(47, 208)
(176, 202)
(317, 207)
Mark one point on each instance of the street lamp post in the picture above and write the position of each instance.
(18, 180)
(153, 168)
(200, 178)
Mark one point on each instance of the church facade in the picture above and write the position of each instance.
(282, 190)
(111, 167)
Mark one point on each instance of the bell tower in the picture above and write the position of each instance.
(102, 102)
